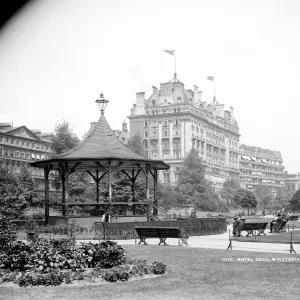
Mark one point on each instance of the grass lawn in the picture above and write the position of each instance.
(193, 273)
(282, 237)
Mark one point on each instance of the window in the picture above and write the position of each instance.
(12, 141)
(146, 124)
(23, 155)
(12, 153)
(0, 151)
(6, 152)
(145, 134)
(32, 145)
(28, 156)
(153, 102)
(166, 177)
(18, 154)
(166, 123)
(165, 133)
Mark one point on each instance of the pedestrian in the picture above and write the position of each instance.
(106, 217)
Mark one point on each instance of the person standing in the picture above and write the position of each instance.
(106, 217)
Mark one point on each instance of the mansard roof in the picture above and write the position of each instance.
(99, 147)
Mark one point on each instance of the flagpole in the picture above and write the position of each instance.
(175, 60)
(214, 89)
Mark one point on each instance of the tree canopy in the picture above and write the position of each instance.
(16, 192)
(245, 199)
(295, 201)
(229, 190)
(63, 138)
(263, 194)
(135, 144)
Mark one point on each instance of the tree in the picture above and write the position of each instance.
(63, 139)
(13, 196)
(245, 199)
(193, 188)
(27, 185)
(229, 190)
(282, 198)
(135, 144)
(295, 201)
(263, 193)
(239, 196)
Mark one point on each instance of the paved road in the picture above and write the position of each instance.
(221, 241)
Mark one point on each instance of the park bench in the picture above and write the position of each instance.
(162, 233)
(251, 227)
(293, 218)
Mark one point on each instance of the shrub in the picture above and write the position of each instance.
(33, 279)
(114, 274)
(158, 268)
(15, 257)
(107, 254)
(8, 233)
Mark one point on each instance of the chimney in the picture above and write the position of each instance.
(231, 112)
(140, 98)
(195, 93)
(154, 89)
(140, 103)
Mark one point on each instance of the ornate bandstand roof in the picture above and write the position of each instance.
(100, 147)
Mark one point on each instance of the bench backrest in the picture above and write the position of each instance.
(260, 226)
(159, 232)
(254, 226)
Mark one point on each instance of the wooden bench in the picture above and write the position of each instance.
(251, 227)
(162, 233)
(293, 218)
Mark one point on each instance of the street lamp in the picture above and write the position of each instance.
(102, 103)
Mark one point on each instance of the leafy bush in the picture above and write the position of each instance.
(33, 279)
(107, 254)
(158, 268)
(8, 233)
(114, 274)
(56, 254)
(15, 257)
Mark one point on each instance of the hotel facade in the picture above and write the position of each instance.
(19, 146)
(261, 167)
(173, 120)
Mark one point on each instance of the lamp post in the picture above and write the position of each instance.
(102, 103)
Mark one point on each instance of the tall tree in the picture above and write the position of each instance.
(248, 201)
(263, 194)
(295, 201)
(63, 138)
(13, 194)
(229, 190)
(135, 144)
(193, 188)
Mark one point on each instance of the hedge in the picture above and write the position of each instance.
(190, 227)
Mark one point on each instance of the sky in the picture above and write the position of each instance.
(57, 56)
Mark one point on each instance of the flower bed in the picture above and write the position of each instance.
(53, 262)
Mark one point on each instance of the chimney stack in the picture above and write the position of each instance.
(231, 112)
(154, 89)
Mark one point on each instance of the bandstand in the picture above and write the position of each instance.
(101, 153)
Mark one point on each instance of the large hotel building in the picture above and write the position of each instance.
(174, 119)
(261, 167)
(19, 146)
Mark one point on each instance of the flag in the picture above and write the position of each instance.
(170, 51)
(210, 78)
